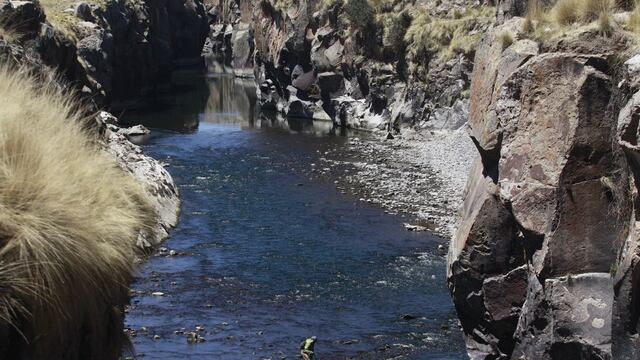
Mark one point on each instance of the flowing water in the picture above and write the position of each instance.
(266, 254)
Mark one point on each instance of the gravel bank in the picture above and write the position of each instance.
(421, 174)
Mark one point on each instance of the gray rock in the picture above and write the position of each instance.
(83, 12)
(136, 130)
(301, 79)
(450, 118)
(330, 82)
(150, 173)
(242, 50)
(551, 191)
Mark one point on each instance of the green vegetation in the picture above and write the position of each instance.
(613, 270)
(69, 220)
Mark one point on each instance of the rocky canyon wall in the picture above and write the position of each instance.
(111, 52)
(543, 264)
(316, 60)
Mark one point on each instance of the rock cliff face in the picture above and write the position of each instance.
(542, 265)
(116, 51)
(311, 60)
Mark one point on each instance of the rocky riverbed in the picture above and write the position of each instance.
(414, 173)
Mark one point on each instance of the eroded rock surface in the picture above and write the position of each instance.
(549, 213)
(149, 172)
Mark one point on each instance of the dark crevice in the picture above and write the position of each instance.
(490, 159)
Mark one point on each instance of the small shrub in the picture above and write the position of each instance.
(613, 269)
(565, 12)
(604, 24)
(395, 27)
(528, 27)
(359, 12)
(506, 39)
(7, 32)
(591, 10)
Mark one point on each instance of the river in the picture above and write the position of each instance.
(266, 253)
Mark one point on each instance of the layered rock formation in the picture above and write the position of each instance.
(542, 265)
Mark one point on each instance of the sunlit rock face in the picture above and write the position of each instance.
(542, 264)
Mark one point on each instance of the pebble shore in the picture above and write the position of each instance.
(420, 174)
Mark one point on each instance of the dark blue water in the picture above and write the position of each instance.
(268, 254)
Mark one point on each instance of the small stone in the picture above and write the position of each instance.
(157, 293)
(408, 317)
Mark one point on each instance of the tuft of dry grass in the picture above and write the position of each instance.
(605, 28)
(7, 33)
(506, 39)
(567, 12)
(543, 23)
(69, 220)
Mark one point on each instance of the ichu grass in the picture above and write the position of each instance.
(69, 218)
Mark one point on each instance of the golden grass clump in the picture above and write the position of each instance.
(605, 28)
(69, 220)
(543, 23)
(506, 39)
(567, 12)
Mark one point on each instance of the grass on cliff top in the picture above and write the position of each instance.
(447, 36)
(543, 23)
(66, 21)
(69, 220)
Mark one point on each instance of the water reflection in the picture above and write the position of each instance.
(215, 96)
(231, 100)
